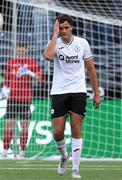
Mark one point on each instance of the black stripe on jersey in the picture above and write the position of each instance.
(69, 42)
(88, 58)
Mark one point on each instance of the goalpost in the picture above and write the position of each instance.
(101, 24)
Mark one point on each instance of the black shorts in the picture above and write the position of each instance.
(63, 104)
(19, 110)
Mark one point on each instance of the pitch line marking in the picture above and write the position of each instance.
(83, 166)
(52, 169)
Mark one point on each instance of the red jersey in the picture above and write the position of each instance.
(20, 85)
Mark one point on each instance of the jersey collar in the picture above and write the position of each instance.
(69, 42)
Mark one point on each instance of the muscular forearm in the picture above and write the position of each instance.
(92, 76)
(94, 81)
(50, 50)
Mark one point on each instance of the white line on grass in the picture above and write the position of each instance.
(50, 165)
(54, 169)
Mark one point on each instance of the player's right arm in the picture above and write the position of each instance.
(49, 51)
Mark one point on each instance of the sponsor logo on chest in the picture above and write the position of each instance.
(74, 58)
(69, 59)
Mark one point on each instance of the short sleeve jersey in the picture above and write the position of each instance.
(69, 66)
(20, 86)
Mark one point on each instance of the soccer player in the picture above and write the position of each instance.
(17, 88)
(71, 55)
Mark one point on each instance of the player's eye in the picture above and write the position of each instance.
(67, 27)
(64, 28)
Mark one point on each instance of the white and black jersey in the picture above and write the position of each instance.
(69, 69)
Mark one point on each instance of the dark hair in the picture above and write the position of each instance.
(64, 18)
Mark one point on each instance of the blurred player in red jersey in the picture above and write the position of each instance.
(17, 88)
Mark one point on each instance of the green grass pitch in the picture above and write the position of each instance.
(47, 170)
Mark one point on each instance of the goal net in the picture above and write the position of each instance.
(100, 22)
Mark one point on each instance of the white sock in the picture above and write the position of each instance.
(22, 153)
(61, 146)
(76, 153)
(4, 152)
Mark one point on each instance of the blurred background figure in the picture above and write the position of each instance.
(17, 88)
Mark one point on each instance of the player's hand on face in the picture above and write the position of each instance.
(96, 101)
(56, 27)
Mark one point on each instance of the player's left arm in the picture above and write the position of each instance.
(94, 81)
